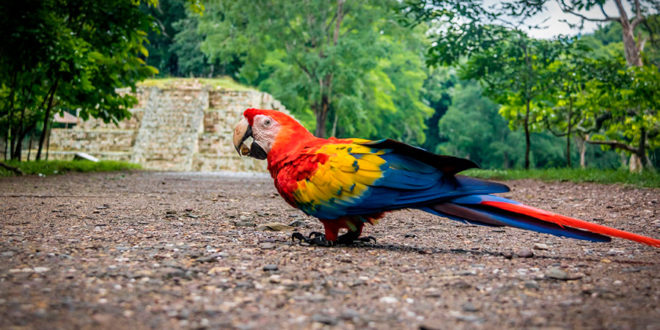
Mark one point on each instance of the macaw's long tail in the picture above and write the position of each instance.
(491, 210)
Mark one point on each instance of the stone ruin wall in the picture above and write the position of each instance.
(182, 128)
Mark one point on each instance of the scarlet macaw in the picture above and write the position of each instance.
(349, 182)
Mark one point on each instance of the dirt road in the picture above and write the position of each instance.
(177, 250)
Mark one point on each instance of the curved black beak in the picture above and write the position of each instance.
(242, 132)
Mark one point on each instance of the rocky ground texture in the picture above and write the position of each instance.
(184, 250)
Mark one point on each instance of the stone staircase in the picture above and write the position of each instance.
(181, 128)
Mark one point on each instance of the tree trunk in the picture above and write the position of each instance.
(46, 120)
(644, 161)
(527, 139)
(29, 147)
(632, 53)
(10, 124)
(334, 124)
(568, 134)
(582, 146)
(322, 116)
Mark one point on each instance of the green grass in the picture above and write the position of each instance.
(221, 82)
(52, 167)
(644, 179)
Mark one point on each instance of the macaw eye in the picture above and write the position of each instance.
(267, 122)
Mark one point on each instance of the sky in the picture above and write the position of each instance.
(555, 26)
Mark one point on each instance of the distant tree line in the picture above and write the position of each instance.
(451, 76)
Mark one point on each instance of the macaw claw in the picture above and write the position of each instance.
(318, 239)
(314, 238)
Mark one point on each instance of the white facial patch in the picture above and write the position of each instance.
(264, 131)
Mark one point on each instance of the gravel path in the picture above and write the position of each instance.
(177, 250)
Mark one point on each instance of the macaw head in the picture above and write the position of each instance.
(262, 131)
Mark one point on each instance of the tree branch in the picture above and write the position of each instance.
(569, 10)
(614, 144)
(638, 15)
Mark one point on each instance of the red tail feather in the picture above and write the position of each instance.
(571, 222)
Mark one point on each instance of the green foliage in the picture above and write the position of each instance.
(437, 94)
(514, 73)
(343, 67)
(52, 167)
(644, 179)
(62, 55)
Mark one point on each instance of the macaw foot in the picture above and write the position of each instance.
(316, 238)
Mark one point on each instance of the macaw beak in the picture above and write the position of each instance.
(242, 132)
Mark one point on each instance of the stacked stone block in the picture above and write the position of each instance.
(181, 128)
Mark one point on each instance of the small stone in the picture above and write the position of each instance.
(210, 258)
(103, 318)
(41, 269)
(541, 246)
(270, 268)
(524, 253)
(350, 314)
(275, 279)
(274, 226)
(558, 274)
(219, 270)
(389, 300)
(7, 254)
(297, 223)
(531, 285)
(469, 307)
(244, 223)
(267, 246)
(432, 293)
(428, 326)
(170, 272)
(613, 252)
(324, 319)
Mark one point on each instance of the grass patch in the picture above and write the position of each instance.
(52, 167)
(221, 82)
(644, 179)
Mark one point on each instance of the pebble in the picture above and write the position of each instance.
(324, 319)
(558, 274)
(244, 223)
(389, 300)
(270, 268)
(274, 226)
(524, 253)
(267, 246)
(211, 258)
(41, 269)
(469, 307)
(7, 254)
(297, 223)
(532, 285)
(541, 246)
(350, 314)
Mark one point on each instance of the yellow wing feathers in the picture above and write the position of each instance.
(346, 175)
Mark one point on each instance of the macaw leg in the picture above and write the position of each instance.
(315, 238)
(353, 234)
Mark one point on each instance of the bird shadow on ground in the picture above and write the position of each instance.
(480, 252)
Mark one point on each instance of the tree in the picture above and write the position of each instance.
(564, 106)
(627, 99)
(437, 89)
(633, 40)
(320, 50)
(346, 67)
(68, 55)
(513, 73)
